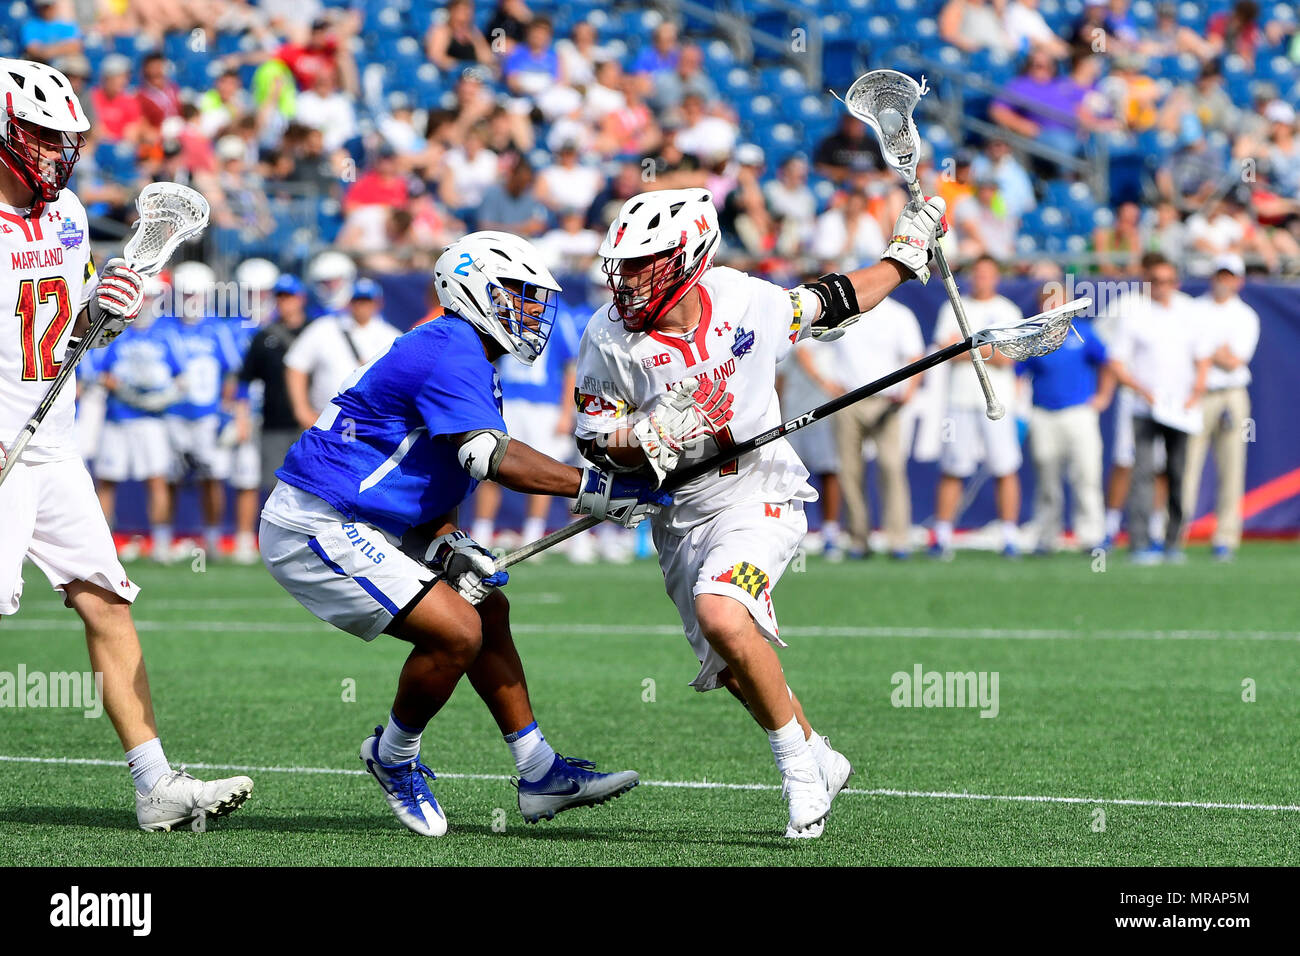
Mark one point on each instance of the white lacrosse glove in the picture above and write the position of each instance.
(466, 565)
(610, 498)
(917, 230)
(687, 415)
(120, 294)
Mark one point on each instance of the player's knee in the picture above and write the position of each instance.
(726, 623)
(462, 639)
(494, 615)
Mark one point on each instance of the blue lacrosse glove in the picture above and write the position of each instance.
(466, 565)
(628, 501)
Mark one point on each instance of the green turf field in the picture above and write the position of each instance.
(1119, 693)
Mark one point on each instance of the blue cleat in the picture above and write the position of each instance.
(939, 553)
(1146, 558)
(1222, 553)
(1011, 552)
(405, 789)
(571, 783)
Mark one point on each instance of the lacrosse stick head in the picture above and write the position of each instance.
(885, 100)
(169, 215)
(1039, 335)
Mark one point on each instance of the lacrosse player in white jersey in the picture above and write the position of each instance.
(48, 503)
(677, 324)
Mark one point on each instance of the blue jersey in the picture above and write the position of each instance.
(142, 358)
(208, 354)
(543, 381)
(242, 331)
(1068, 376)
(378, 453)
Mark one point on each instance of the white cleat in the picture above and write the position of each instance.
(246, 556)
(406, 790)
(809, 802)
(836, 770)
(178, 798)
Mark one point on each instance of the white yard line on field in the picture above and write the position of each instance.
(714, 785)
(59, 620)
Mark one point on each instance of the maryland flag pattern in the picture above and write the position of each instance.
(746, 577)
(796, 323)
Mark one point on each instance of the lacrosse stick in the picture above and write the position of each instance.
(169, 215)
(1039, 335)
(885, 101)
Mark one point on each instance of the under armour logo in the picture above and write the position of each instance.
(726, 327)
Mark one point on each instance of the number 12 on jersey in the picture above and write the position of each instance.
(39, 363)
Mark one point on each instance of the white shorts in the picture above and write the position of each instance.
(534, 424)
(1125, 450)
(246, 464)
(969, 437)
(740, 553)
(51, 515)
(133, 450)
(348, 574)
(196, 448)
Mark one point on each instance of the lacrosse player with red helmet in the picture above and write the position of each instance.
(51, 514)
(683, 363)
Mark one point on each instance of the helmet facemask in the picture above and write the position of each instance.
(527, 312)
(643, 296)
(42, 158)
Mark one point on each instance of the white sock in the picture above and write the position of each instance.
(820, 751)
(533, 756)
(791, 748)
(1114, 518)
(534, 528)
(147, 763)
(162, 540)
(399, 744)
(245, 541)
(1157, 526)
(831, 532)
(212, 540)
(482, 531)
(943, 534)
(1010, 533)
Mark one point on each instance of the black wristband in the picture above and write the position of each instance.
(838, 298)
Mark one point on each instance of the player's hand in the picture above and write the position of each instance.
(918, 228)
(119, 295)
(466, 565)
(684, 417)
(611, 498)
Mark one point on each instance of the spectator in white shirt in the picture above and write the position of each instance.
(884, 341)
(1232, 328)
(326, 108)
(847, 235)
(793, 204)
(471, 169)
(1161, 352)
(970, 438)
(332, 348)
(567, 183)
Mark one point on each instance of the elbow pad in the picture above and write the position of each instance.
(481, 452)
(839, 305)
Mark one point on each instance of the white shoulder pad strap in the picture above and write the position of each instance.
(481, 452)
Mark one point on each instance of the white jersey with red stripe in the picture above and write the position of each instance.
(48, 279)
(747, 326)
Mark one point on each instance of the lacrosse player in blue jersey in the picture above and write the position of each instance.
(362, 527)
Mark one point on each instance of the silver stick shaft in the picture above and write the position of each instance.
(994, 408)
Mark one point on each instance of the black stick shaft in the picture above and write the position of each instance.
(691, 472)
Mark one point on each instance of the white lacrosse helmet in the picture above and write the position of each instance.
(33, 94)
(257, 275)
(674, 232)
(330, 276)
(491, 279)
(192, 284)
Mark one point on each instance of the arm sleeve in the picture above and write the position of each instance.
(459, 397)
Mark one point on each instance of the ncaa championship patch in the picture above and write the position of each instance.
(746, 577)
